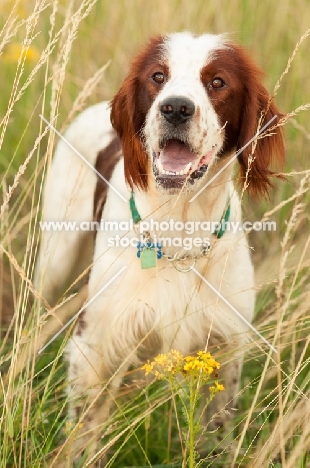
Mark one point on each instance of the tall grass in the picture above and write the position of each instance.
(56, 58)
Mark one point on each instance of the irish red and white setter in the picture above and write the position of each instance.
(187, 105)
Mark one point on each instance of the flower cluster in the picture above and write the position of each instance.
(194, 372)
(202, 366)
(165, 365)
(203, 363)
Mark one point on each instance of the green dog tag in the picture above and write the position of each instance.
(148, 258)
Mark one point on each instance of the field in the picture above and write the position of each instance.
(57, 58)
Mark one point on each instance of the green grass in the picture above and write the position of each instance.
(273, 409)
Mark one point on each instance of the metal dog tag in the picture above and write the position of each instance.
(148, 258)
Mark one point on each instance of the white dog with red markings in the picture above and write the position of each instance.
(187, 105)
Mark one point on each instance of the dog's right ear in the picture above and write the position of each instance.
(123, 114)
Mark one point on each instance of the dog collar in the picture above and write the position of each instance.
(218, 233)
(149, 251)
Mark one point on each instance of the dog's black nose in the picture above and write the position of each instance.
(177, 109)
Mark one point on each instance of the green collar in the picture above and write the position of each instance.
(218, 233)
(134, 211)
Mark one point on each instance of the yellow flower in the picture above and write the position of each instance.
(158, 375)
(189, 358)
(203, 355)
(161, 359)
(148, 367)
(208, 369)
(220, 387)
(14, 51)
(176, 354)
(208, 359)
(217, 387)
(188, 366)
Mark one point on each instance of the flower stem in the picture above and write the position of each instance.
(191, 424)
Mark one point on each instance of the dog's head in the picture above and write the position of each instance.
(187, 103)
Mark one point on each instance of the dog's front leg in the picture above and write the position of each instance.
(92, 390)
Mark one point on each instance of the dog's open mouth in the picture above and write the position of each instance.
(176, 162)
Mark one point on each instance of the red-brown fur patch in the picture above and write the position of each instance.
(129, 109)
(240, 105)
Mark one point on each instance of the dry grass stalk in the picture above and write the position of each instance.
(87, 91)
(290, 60)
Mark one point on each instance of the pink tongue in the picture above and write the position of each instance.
(206, 159)
(175, 156)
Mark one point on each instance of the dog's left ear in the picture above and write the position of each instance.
(123, 115)
(269, 148)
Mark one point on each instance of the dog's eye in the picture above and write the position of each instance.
(217, 83)
(159, 77)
